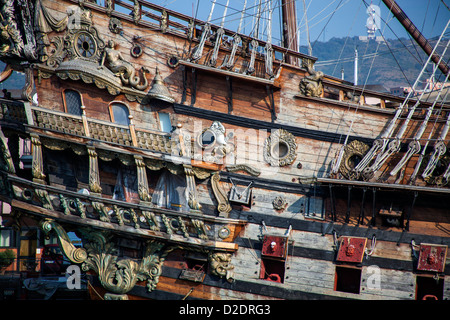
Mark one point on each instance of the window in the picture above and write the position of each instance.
(72, 101)
(5, 238)
(347, 279)
(164, 122)
(170, 192)
(119, 113)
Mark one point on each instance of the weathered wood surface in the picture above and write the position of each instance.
(310, 268)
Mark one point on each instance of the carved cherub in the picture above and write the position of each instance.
(122, 68)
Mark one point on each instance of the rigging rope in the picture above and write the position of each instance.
(380, 144)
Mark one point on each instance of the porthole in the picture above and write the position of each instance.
(136, 50)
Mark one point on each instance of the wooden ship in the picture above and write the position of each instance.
(195, 162)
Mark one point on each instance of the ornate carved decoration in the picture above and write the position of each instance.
(191, 188)
(280, 148)
(279, 203)
(244, 167)
(75, 255)
(122, 68)
(163, 24)
(142, 179)
(311, 86)
(220, 265)
(115, 25)
(44, 198)
(353, 152)
(94, 178)
(214, 142)
(101, 210)
(223, 205)
(7, 162)
(11, 41)
(38, 165)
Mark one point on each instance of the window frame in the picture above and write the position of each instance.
(111, 112)
(65, 102)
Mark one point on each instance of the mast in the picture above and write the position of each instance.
(290, 28)
(416, 34)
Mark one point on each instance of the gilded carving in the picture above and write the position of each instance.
(7, 162)
(115, 25)
(311, 86)
(122, 68)
(223, 205)
(142, 179)
(280, 148)
(101, 210)
(353, 152)
(279, 203)
(94, 178)
(220, 265)
(74, 254)
(244, 167)
(191, 188)
(11, 42)
(44, 198)
(38, 165)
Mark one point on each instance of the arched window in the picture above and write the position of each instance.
(72, 101)
(119, 113)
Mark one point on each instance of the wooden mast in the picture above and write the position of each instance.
(290, 29)
(415, 33)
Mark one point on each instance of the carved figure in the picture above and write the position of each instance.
(311, 86)
(221, 266)
(122, 68)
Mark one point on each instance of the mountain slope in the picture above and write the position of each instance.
(394, 63)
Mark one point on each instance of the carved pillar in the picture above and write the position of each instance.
(191, 188)
(142, 179)
(38, 162)
(6, 162)
(94, 178)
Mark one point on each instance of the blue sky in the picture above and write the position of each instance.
(349, 18)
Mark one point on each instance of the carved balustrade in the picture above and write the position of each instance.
(102, 130)
(154, 16)
(113, 215)
(12, 111)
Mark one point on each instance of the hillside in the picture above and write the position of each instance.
(395, 63)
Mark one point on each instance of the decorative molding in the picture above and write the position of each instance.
(193, 202)
(38, 165)
(280, 148)
(94, 177)
(220, 265)
(74, 254)
(255, 172)
(223, 205)
(353, 150)
(311, 86)
(279, 203)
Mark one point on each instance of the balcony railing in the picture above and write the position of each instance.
(125, 135)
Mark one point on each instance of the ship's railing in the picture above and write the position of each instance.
(159, 18)
(125, 135)
(12, 111)
(143, 218)
(357, 96)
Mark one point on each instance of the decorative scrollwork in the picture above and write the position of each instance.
(279, 148)
(353, 153)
